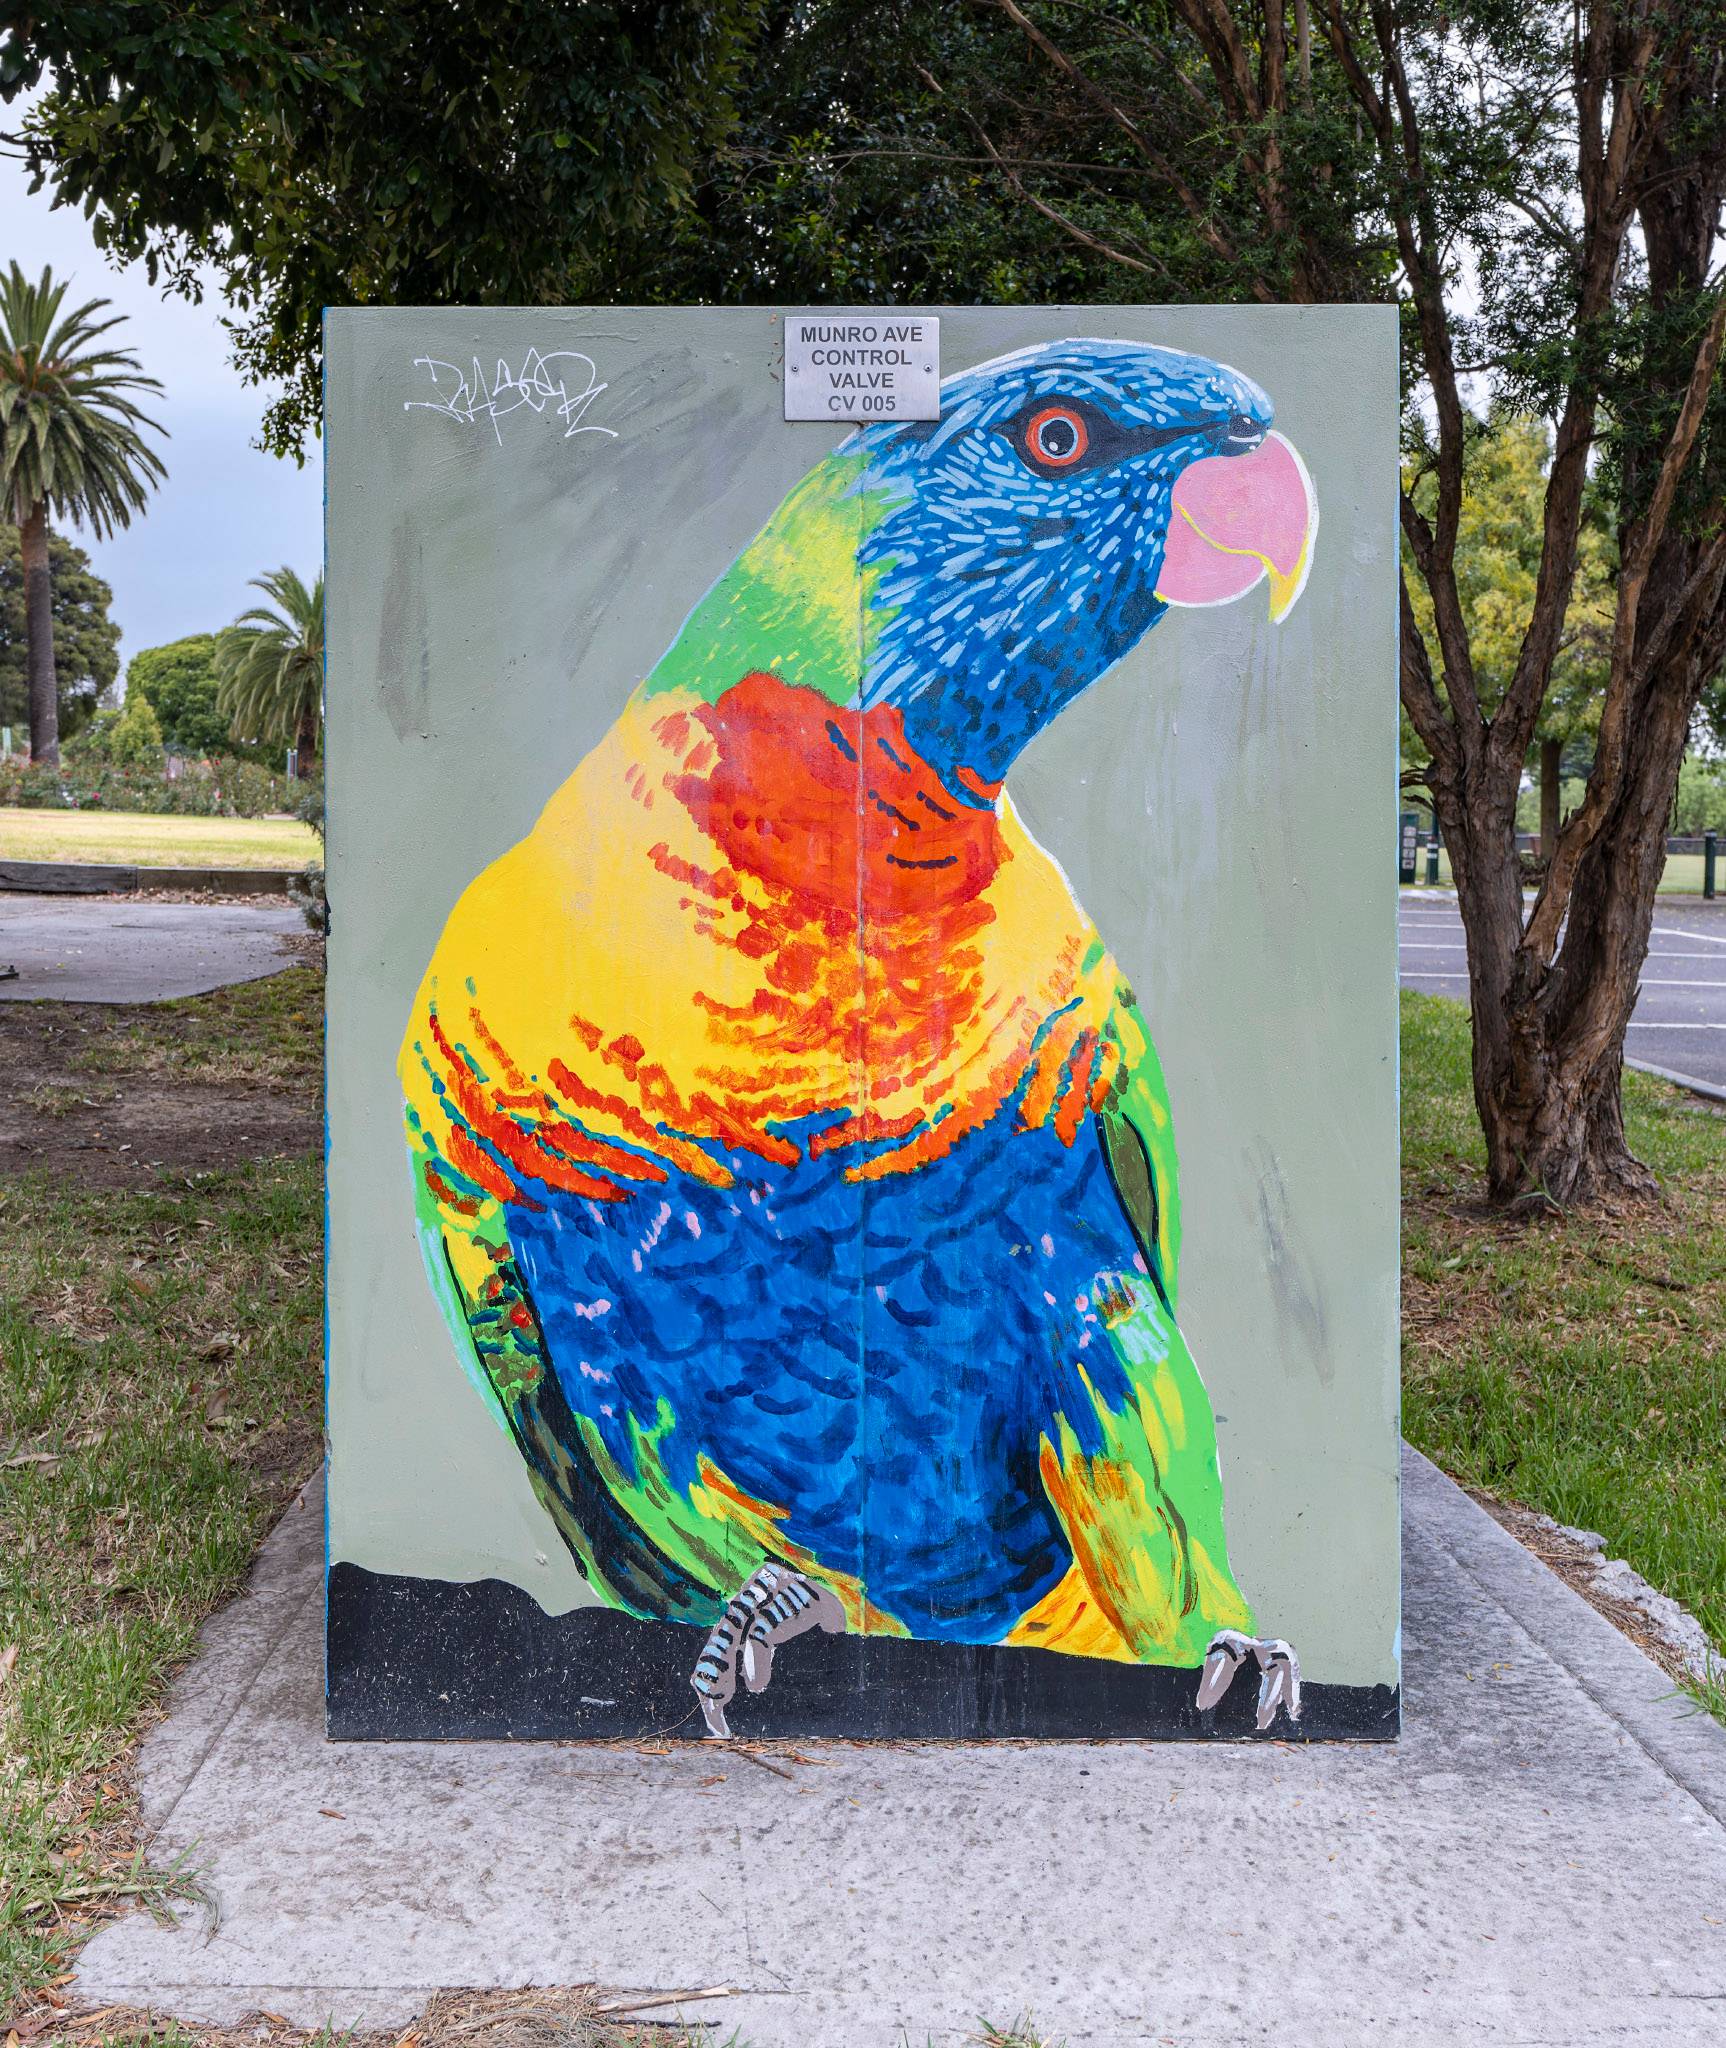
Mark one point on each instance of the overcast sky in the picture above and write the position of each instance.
(226, 512)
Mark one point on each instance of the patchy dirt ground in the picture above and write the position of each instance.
(105, 1096)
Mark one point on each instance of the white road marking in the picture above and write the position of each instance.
(1648, 981)
(1654, 953)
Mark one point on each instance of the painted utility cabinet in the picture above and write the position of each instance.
(862, 1059)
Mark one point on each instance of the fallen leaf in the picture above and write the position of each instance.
(49, 1460)
(329, 1813)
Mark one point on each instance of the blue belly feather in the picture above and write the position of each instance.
(881, 1359)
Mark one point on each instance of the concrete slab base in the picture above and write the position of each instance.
(68, 950)
(1541, 1860)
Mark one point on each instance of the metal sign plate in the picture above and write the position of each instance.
(862, 366)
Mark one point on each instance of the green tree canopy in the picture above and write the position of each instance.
(888, 150)
(180, 682)
(136, 740)
(1701, 800)
(1498, 551)
(355, 154)
(86, 640)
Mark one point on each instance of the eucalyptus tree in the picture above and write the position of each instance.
(71, 447)
(1538, 183)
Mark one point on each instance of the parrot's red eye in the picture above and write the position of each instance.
(1056, 437)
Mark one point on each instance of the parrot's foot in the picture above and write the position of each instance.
(773, 1605)
(1279, 1673)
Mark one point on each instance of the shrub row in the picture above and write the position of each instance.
(218, 789)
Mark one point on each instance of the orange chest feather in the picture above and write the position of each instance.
(740, 915)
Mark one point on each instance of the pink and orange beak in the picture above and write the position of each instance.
(1238, 518)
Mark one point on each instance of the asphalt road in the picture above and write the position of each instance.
(1680, 1017)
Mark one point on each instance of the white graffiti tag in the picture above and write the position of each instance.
(564, 383)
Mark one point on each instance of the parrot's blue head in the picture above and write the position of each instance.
(1068, 494)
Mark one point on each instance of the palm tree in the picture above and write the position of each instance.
(70, 446)
(270, 666)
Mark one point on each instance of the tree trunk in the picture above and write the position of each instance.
(1550, 1017)
(305, 744)
(1551, 767)
(39, 638)
(1479, 826)
(1549, 1048)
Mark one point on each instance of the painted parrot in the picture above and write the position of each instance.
(793, 1164)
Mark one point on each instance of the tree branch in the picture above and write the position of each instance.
(1604, 175)
(1540, 939)
(1433, 543)
(1191, 204)
(1050, 213)
(1420, 697)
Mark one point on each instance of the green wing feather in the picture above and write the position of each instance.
(1145, 1511)
(640, 1557)
(1138, 1134)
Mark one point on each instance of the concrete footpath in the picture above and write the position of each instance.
(111, 950)
(1541, 1860)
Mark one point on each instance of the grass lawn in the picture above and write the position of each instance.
(160, 1400)
(139, 839)
(1681, 876)
(1572, 1365)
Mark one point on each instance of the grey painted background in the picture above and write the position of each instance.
(1224, 803)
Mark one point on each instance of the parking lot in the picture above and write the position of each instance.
(1680, 1018)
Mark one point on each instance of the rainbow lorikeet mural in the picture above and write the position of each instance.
(794, 1165)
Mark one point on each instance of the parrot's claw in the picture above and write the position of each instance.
(1228, 1651)
(772, 1606)
(1279, 1673)
(1279, 1680)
